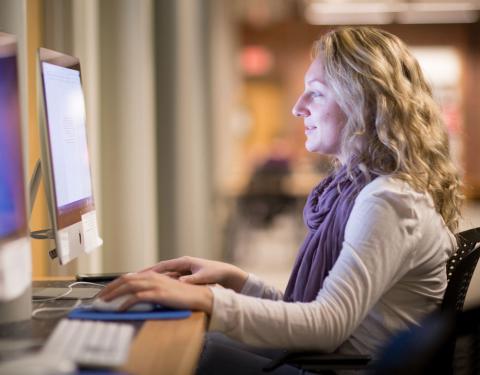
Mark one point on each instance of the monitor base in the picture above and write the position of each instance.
(50, 293)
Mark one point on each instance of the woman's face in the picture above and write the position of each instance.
(322, 116)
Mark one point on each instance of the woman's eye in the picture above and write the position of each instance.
(316, 94)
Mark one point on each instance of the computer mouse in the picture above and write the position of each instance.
(115, 304)
(38, 364)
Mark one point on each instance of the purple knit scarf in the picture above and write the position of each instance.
(325, 215)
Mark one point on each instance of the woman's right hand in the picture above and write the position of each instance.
(202, 271)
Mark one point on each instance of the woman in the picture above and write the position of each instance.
(380, 225)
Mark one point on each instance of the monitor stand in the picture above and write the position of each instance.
(42, 234)
(44, 292)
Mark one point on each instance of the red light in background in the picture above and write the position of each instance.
(256, 60)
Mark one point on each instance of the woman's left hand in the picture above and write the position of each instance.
(157, 288)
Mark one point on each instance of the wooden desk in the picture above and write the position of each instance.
(167, 346)
(164, 346)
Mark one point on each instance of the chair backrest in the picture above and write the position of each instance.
(460, 268)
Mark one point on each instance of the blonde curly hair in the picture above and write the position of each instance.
(394, 127)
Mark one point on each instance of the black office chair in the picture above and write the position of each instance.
(460, 268)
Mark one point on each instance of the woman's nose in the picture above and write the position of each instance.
(299, 109)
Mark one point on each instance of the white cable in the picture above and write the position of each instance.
(63, 309)
(36, 299)
(87, 282)
(70, 289)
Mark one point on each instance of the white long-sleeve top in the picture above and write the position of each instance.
(390, 273)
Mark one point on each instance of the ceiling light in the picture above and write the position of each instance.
(385, 12)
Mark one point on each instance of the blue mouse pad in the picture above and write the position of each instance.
(85, 313)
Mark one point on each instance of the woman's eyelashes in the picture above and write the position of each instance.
(316, 94)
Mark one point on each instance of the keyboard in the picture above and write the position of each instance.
(91, 343)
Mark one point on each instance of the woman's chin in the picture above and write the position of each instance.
(310, 147)
(322, 150)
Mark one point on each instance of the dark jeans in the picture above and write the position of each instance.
(222, 355)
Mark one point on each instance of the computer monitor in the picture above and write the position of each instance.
(65, 159)
(15, 254)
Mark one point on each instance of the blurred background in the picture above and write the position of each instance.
(193, 146)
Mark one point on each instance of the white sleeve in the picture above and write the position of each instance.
(255, 287)
(379, 238)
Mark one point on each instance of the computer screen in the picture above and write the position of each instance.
(65, 157)
(13, 220)
(15, 257)
(66, 116)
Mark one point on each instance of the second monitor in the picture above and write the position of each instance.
(65, 158)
